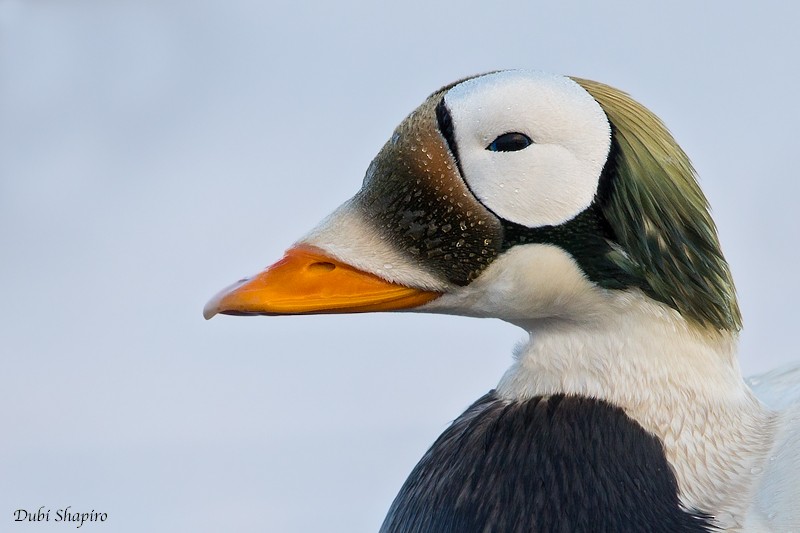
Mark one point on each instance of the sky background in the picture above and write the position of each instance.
(153, 152)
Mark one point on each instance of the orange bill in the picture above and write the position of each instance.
(306, 281)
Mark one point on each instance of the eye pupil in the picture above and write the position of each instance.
(510, 142)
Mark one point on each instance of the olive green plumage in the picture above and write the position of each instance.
(660, 216)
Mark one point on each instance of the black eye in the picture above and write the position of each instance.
(510, 142)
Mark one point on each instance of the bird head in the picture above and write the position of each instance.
(517, 195)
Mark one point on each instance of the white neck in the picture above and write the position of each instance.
(632, 352)
(681, 382)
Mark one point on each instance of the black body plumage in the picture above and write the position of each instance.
(549, 464)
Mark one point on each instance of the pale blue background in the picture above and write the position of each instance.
(153, 152)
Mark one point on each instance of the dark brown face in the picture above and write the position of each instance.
(414, 196)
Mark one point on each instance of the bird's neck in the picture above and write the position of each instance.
(680, 381)
(636, 351)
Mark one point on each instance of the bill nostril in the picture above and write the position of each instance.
(321, 266)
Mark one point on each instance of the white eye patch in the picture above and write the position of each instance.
(549, 181)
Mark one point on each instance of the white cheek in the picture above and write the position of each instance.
(550, 181)
(527, 282)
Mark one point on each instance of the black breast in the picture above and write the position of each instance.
(549, 464)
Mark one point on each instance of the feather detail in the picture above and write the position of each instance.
(660, 216)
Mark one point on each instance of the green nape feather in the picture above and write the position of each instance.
(660, 216)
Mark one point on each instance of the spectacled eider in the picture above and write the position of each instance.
(563, 206)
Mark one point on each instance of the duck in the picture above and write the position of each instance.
(565, 207)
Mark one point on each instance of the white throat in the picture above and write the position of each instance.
(679, 381)
(635, 351)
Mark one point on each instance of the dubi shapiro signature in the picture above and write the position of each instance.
(66, 514)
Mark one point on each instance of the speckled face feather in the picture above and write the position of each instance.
(414, 196)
